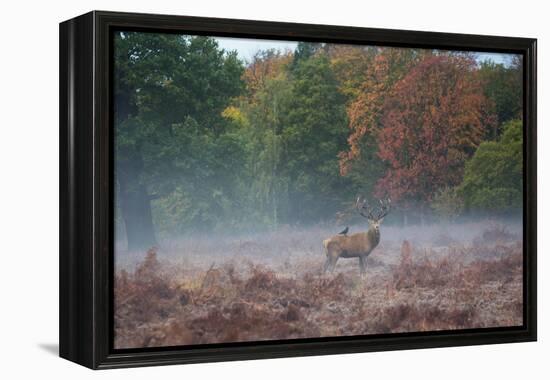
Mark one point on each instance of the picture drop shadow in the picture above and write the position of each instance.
(52, 348)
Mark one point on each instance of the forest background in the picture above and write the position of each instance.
(206, 140)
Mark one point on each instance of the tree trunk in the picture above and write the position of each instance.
(422, 220)
(136, 212)
(135, 205)
(133, 199)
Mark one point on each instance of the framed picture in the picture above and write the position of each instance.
(237, 189)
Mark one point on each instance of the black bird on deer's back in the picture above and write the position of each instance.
(344, 232)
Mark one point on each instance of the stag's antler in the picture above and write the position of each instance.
(385, 207)
(362, 206)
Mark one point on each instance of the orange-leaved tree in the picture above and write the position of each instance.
(388, 66)
(432, 122)
(377, 74)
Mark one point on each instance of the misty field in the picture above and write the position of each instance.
(224, 288)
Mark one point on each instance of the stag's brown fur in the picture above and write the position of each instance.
(356, 245)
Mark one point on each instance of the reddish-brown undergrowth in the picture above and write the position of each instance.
(159, 304)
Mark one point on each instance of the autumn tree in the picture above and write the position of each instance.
(433, 122)
(384, 67)
(265, 65)
(351, 65)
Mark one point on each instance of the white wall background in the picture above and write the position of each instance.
(29, 186)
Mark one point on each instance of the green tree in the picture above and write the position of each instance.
(503, 86)
(167, 87)
(448, 203)
(268, 191)
(294, 119)
(211, 170)
(304, 51)
(314, 131)
(493, 179)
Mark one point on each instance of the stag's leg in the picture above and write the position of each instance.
(327, 261)
(332, 258)
(363, 265)
(327, 265)
(330, 264)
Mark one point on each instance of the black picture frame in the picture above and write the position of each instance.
(86, 189)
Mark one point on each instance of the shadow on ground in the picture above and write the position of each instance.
(52, 348)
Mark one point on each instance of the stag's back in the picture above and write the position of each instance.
(358, 244)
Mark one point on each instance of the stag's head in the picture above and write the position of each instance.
(374, 215)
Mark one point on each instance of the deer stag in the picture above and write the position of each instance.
(360, 244)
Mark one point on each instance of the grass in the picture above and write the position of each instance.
(165, 300)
